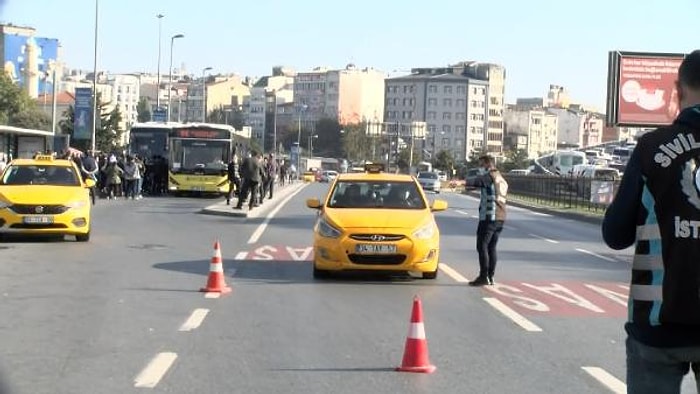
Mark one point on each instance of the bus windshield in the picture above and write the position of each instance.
(199, 156)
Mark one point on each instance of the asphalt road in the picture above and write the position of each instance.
(123, 313)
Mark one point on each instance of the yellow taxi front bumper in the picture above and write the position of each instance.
(358, 251)
(52, 220)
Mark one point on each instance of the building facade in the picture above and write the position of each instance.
(539, 128)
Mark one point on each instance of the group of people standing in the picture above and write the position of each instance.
(254, 178)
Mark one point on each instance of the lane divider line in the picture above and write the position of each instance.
(452, 273)
(546, 215)
(543, 238)
(212, 295)
(241, 255)
(155, 370)
(508, 312)
(261, 228)
(462, 212)
(195, 320)
(588, 252)
(614, 384)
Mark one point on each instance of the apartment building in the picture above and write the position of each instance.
(578, 128)
(221, 92)
(278, 89)
(536, 128)
(462, 104)
(453, 106)
(351, 95)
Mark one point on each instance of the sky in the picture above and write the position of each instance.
(540, 42)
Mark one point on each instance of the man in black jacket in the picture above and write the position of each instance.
(658, 207)
(234, 180)
(250, 172)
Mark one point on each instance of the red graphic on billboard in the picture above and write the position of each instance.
(647, 93)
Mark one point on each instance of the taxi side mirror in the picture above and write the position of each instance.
(438, 205)
(313, 203)
(90, 183)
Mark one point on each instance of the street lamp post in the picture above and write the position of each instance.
(170, 76)
(204, 95)
(94, 82)
(311, 144)
(302, 108)
(274, 126)
(160, 26)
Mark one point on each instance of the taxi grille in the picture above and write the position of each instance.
(26, 209)
(377, 237)
(377, 259)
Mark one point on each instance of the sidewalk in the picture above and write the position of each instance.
(280, 193)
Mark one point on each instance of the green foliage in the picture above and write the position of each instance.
(515, 159)
(233, 117)
(143, 110)
(18, 109)
(357, 145)
(444, 161)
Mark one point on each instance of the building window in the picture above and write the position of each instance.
(460, 116)
(446, 115)
(461, 102)
(432, 102)
(432, 115)
(459, 129)
(432, 89)
(447, 89)
(446, 128)
(461, 90)
(447, 102)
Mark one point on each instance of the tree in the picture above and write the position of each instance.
(18, 109)
(65, 125)
(329, 143)
(357, 145)
(474, 157)
(444, 160)
(516, 159)
(144, 110)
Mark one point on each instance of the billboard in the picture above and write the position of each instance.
(82, 123)
(641, 88)
(16, 59)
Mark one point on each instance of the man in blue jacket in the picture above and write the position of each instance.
(657, 209)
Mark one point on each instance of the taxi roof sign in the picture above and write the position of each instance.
(374, 168)
(44, 157)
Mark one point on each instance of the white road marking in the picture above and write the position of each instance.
(462, 212)
(212, 295)
(261, 228)
(512, 315)
(155, 370)
(449, 271)
(543, 238)
(596, 255)
(241, 255)
(541, 214)
(475, 216)
(614, 384)
(195, 320)
(509, 228)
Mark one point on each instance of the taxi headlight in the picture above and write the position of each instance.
(4, 204)
(425, 232)
(324, 229)
(76, 204)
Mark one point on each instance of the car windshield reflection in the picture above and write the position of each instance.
(373, 194)
(41, 175)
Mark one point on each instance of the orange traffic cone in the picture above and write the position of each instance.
(216, 282)
(415, 356)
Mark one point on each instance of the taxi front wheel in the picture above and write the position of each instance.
(320, 274)
(83, 237)
(431, 274)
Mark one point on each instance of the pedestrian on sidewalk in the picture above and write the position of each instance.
(492, 215)
(250, 172)
(657, 206)
(271, 174)
(234, 179)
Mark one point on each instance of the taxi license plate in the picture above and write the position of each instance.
(38, 219)
(197, 188)
(375, 249)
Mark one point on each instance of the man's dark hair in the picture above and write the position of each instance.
(689, 70)
(488, 159)
(253, 153)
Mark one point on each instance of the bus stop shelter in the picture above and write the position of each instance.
(17, 142)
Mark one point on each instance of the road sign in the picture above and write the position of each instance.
(159, 115)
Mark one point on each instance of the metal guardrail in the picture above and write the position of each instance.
(569, 192)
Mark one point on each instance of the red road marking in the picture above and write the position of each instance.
(564, 298)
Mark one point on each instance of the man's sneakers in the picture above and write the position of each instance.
(480, 281)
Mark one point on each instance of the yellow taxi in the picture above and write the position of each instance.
(45, 195)
(376, 221)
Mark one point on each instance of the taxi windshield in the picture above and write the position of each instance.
(376, 194)
(22, 175)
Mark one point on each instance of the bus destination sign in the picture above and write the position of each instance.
(202, 133)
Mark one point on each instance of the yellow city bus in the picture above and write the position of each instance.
(185, 158)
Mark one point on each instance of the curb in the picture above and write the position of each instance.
(221, 209)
